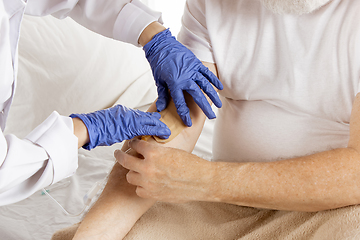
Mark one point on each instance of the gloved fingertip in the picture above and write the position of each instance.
(167, 132)
(156, 115)
(160, 105)
(212, 78)
(187, 120)
(164, 133)
(219, 85)
(164, 136)
(213, 95)
(211, 115)
(218, 103)
(160, 109)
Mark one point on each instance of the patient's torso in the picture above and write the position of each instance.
(289, 81)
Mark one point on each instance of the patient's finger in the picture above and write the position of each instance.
(141, 192)
(128, 161)
(134, 178)
(139, 146)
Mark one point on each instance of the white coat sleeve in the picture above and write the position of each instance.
(47, 155)
(122, 20)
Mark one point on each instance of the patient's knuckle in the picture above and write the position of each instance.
(152, 153)
(152, 173)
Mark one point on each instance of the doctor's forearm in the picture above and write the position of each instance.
(81, 132)
(149, 32)
(321, 181)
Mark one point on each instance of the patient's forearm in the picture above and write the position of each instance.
(118, 207)
(320, 181)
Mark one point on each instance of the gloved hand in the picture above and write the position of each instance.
(119, 123)
(177, 69)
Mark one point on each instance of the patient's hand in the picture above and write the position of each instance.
(166, 174)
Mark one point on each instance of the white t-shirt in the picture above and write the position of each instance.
(289, 81)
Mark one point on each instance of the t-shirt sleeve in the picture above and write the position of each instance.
(194, 33)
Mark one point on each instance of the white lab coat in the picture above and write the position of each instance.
(49, 153)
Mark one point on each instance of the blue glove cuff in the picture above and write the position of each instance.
(156, 40)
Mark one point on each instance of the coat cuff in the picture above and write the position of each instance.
(56, 136)
(132, 20)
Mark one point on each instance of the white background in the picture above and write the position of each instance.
(172, 11)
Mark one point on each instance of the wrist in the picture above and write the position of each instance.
(209, 188)
(149, 32)
(221, 175)
(81, 132)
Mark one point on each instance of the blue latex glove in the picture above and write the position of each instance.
(116, 124)
(177, 69)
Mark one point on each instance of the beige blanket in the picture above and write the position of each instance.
(202, 220)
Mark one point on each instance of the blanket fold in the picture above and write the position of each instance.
(205, 220)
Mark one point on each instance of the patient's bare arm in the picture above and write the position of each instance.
(119, 207)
